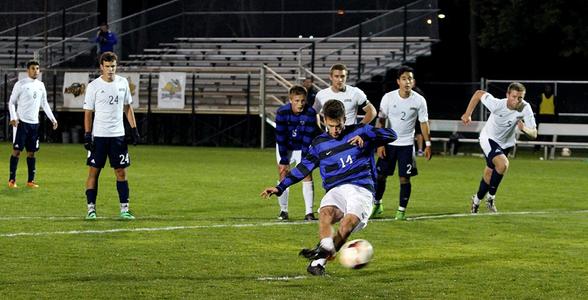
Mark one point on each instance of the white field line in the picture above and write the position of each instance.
(174, 228)
(281, 278)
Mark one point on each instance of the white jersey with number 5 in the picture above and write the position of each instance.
(402, 114)
(502, 123)
(107, 100)
(352, 98)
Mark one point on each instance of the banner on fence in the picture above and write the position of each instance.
(170, 91)
(74, 89)
(133, 79)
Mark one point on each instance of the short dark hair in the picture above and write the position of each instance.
(340, 67)
(108, 56)
(517, 86)
(297, 90)
(32, 63)
(402, 70)
(334, 109)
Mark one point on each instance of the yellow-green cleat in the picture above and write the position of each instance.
(126, 215)
(377, 210)
(400, 216)
(91, 215)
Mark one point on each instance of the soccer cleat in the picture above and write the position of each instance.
(490, 203)
(91, 215)
(126, 215)
(475, 207)
(12, 184)
(377, 210)
(310, 217)
(32, 184)
(400, 215)
(283, 216)
(318, 270)
(316, 253)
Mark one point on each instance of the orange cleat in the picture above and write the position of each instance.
(12, 184)
(32, 184)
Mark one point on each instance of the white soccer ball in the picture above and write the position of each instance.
(356, 254)
(566, 152)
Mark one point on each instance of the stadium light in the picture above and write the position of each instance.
(441, 16)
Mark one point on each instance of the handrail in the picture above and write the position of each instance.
(47, 16)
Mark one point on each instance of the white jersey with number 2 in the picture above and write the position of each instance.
(402, 114)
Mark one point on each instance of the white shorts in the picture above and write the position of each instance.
(295, 156)
(351, 199)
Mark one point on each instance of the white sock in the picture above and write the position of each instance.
(91, 207)
(476, 200)
(328, 244)
(320, 261)
(308, 194)
(283, 200)
(124, 207)
(490, 197)
(400, 208)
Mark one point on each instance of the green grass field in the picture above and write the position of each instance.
(202, 232)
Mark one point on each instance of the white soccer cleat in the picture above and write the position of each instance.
(491, 203)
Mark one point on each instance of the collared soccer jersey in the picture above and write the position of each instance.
(502, 123)
(28, 95)
(340, 162)
(294, 132)
(107, 100)
(402, 114)
(352, 98)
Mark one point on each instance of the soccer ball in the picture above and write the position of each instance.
(356, 254)
(566, 152)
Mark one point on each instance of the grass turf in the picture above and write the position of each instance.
(203, 232)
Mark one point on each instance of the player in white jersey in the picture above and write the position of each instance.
(28, 95)
(108, 97)
(498, 136)
(353, 98)
(399, 110)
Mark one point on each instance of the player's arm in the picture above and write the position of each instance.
(531, 133)
(305, 167)
(466, 118)
(425, 131)
(370, 113)
(12, 104)
(47, 110)
(130, 112)
(282, 138)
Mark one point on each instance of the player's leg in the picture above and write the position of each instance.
(32, 145)
(307, 189)
(18, 144)
(328, 215)
(95, 161)
(488, 148)
(92, 191)
(501, 167)
(283, 198)
(406, 169)
(118, 155)
(384, 167)
(308, 195)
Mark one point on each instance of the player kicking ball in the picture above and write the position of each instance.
(497, 137)
(108, 97)
(345, 156)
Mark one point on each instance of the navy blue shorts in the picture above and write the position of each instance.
(404, 155)
(114, 147)
(495, 150)
(27, 136)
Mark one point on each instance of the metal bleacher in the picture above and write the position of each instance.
(221, 66)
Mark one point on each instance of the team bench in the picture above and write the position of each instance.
(556, 130)
(454, 127)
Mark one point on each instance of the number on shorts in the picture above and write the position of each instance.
(124, 158)
(348, 160)
(408, 169)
